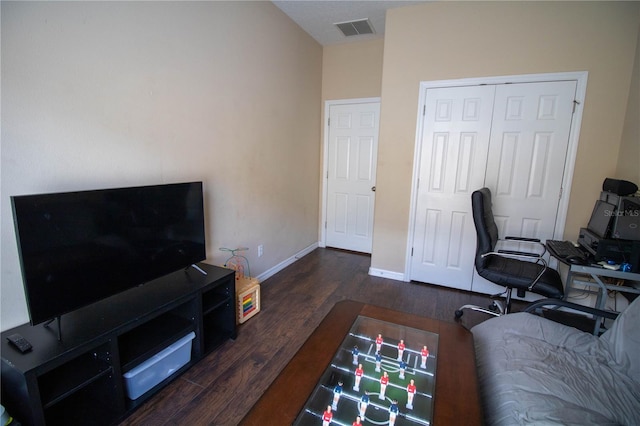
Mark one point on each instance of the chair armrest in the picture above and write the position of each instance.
(519, 253)
(532, 241)
(523, 239)
(563, 303)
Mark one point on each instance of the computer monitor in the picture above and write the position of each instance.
(627, 223)
(600, 222)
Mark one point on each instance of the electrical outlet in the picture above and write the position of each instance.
(260, 250)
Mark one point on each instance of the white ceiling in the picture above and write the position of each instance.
(317, 17)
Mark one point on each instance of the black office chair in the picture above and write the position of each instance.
(524, 271)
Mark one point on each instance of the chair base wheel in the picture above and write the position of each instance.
(496, 310)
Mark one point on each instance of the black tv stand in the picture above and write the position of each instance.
(79, 380)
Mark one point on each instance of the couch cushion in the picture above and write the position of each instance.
(533, 370)
(623, 339)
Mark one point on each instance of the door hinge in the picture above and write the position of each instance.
(411, 251)
(329, 122)
(424, 110)
(325, 224)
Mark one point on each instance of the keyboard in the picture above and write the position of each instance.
(564, 249)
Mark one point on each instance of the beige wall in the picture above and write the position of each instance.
(352, 70)
(451, 40)
(629, 157)
(107, 94)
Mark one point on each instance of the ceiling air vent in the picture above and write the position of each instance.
(352, 28)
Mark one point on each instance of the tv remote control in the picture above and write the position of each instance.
(20, 342)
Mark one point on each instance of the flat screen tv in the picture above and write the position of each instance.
(77, 248)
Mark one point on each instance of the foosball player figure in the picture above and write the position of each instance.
(337, 391)
(403, 366)
(357, 422)
(379, 342)
(411, 392)
(378, 361)
(384, 381)
(393, 412)
(364, 403)
(355, 352)
(327, 416)
(424, 353)
(359, 373)
(401, 348)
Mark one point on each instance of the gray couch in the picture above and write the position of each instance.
(536, 371)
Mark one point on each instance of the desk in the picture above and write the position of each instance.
(597, 274)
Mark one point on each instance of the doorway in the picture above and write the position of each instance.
(350, 159)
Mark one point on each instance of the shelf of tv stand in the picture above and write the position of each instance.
(78, 380)
(71, 377)
(216, 331)
(217, 326)
(150, 338)
(213, 300)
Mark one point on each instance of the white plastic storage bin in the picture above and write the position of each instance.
(140, 379)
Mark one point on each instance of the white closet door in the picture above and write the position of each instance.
(453, 159)
(512, 138)
(527, 152)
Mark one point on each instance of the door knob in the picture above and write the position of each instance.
(373, 188)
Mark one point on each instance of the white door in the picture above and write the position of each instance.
(527, 152)
(527, 132)
(351, 175)
(457, 124)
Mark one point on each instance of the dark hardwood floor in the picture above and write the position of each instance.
(222, 387)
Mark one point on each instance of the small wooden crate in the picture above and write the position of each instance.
(247, 298)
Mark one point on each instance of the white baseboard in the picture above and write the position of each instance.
(280, 266)
(398, 276)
